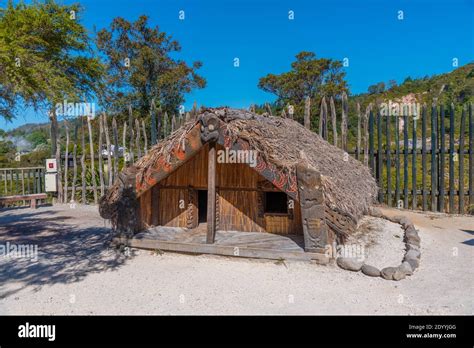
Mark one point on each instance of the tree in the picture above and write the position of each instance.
(140, 67)
(392, 84)
(309, 77)
(45, 56)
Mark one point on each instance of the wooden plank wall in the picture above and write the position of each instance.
(237, 200)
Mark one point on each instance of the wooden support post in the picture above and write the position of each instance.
(211, 195)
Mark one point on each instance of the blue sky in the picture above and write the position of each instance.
(378, 45)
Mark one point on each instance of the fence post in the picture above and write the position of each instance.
(471, 159)
(74, 163)
(451, 159)
(91, 145)
(371, 143)
(110, 173)
(388, 160)
(442, 162)
(461, 161)
(83, 163)
(307, 115)
(397, 161)
(66, 164)
(423, 159)
(345, 115)
(413, 165)
(358, 132)
(379, 156)
(405, 159)
(322, 118)
(334, 120)
(434, 181)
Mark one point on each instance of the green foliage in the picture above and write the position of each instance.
(140, 67)
(44, 56)
(7, 151)
(456, 87)
(37, 137)
(309, 77)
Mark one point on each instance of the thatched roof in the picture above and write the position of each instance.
(347, 184)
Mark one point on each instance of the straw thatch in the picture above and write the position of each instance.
(348, 185)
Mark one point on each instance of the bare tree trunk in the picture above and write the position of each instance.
(116, 149)
(91, 145)
(126, 159)
(194, 111)
(66, 163)
(58, 161)
(109, 156)
(130, 122)
(101, 174)
(153, 121)
(345, 112)
(165, 125)
(54, 131)
(145, 146)
(334, 120)
(83, 163)
(137, 138)
(366, 134)
(268, 109)
(74, 176)
(56, 151)
(307, 113)
(323, 117)
(173, 123)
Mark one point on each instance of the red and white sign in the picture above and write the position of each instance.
(51, 165)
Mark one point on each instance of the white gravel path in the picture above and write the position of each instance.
(77, 274)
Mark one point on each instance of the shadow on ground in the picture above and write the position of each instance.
(470, 241)
(66, 252)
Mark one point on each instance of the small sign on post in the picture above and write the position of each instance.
(51, 175)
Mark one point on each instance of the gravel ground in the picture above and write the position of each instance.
(76, 273)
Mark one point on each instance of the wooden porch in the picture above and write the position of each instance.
(227, 243)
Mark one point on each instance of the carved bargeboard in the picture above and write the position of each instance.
(341, 224)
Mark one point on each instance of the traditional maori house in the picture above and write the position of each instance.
(233, 170)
